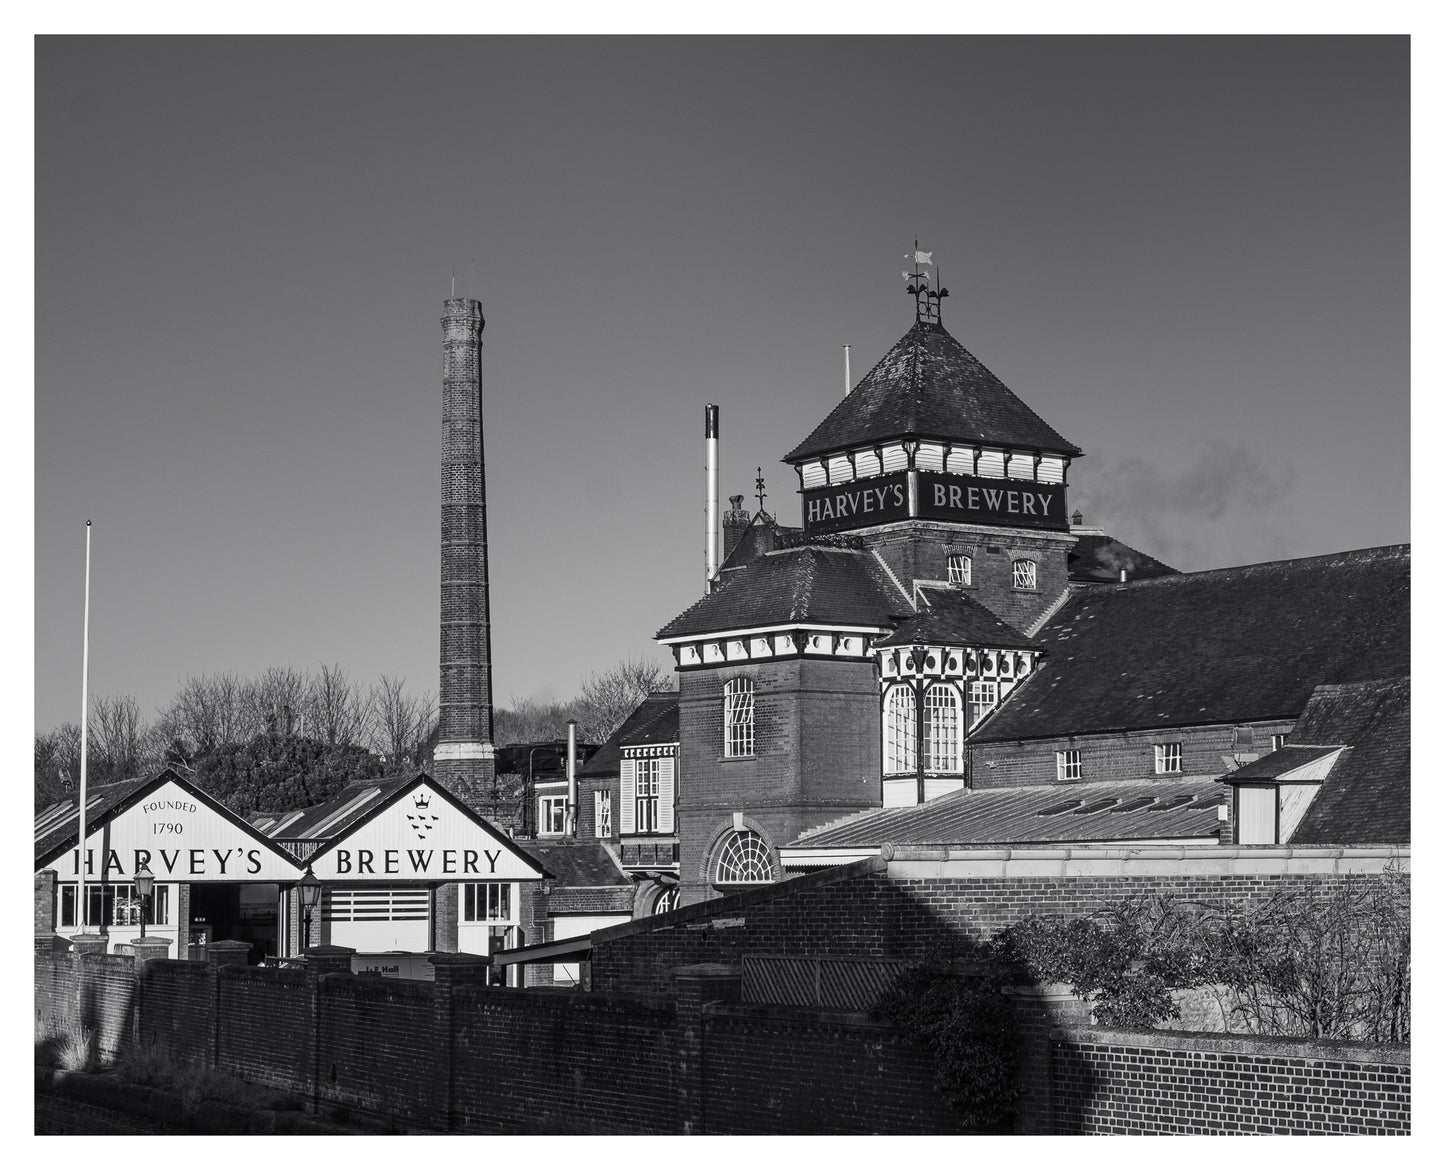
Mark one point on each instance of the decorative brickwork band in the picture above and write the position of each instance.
(463, 760)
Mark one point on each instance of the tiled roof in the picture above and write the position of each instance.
(928, 386)
(951, 617)
(1127, 811)
(1224, 646)
(808, 584)
(1365, 800)
(1280, 762)
(578, 863)
(364, 796)
(59, 822)
(763, 535)
(1102, 558)
(654, 721)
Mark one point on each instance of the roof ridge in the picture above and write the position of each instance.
(1195, 574)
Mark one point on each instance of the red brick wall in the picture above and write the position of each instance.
(177, 1007)
(45, 908)
(378, 1052)
(1140, 1082)
(824, 712)
(1115, 755)
(278, 1054)
(549, 1062)
(779, 1070)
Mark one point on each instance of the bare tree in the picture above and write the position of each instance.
(335, 707)
(57, 763)
(121, 743)
(608, 698)
(207, 712)
(399, 722)
(532, 721)
(275, 701)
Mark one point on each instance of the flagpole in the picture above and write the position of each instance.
(84, 710)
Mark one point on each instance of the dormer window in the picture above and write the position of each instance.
(960, 569)
(1026, 574)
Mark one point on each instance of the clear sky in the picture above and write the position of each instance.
(1190, 256)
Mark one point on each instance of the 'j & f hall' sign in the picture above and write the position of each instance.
(964, 499)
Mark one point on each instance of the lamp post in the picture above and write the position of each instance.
(310, 889)
(145, 882)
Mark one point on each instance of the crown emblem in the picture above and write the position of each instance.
(421, 800)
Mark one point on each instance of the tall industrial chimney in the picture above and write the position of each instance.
(711, 521)
(465, 758)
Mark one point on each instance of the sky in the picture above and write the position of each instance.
(1191, 256)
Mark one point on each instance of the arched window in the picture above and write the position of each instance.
(941, 738)
(738, 717)
(667, 900)
(744, 858)
(1026, 574)
(900, 730)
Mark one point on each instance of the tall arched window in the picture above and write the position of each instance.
(900, 730)
(738, 717)
(744, 858)
(941, 738)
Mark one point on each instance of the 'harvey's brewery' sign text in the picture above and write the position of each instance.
(934, 495)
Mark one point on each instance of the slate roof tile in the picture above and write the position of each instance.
(929, 386)
(1223, 646)
(578, 863)
(951, 617)
(1101, 558)
(654, 721)
(839, 585)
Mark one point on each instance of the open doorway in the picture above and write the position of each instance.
(245, 911)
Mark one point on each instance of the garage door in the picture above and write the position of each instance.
(377, 918)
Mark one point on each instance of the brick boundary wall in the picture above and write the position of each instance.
(1150, 1082)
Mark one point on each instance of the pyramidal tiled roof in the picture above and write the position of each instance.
(841, 586)
(928, 386)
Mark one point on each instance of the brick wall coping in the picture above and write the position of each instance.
(1289, 1047)
(911, 862)
(795, 1014)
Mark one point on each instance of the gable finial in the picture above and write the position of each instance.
(762, 495)
(926, 301)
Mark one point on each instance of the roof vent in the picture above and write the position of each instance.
(1055, 809)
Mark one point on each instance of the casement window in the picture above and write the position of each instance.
(1026, 574)
(960, 569)
(900, 730)
(645, 815)
(982, 698)
(486, 901)
(552, 816)
(602, 813)
(744, 858)
(649, 792)
(1070, 764)
(115, 905)
(942, 739)
(1168, 757)
(1278, 741)
(738, 718)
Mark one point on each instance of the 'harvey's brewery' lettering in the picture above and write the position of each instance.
(192, 862)
(974, 498)
(846, 505)
(364, 860)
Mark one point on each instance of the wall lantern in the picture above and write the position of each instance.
(145, 884)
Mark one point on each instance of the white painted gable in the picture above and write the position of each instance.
(181, 837)
(423, 835)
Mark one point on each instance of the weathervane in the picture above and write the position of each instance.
(927, 301)
(762, 495)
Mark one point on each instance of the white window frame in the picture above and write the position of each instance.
(493, 899)
(739, 733)
(960, 569)
(550, 808)
(1026, 574)
(983, 698)
(648, 784)
(1169, 758)
(746, 857)
(900, 730)
(1070, 764)
(124, 903)
(942, 729)
(1278, 740)
(602, 813)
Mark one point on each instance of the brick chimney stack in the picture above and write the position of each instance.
(465, 759)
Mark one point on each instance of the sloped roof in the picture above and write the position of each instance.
(1223, 646)
(578, 864)
(654, 721)
(1101, 558)
(1365, 800)
(761, 536)
(1125, 811)
(951, 617)
(1280, 762)
(928, 386)
(842, 586)
(364, 796)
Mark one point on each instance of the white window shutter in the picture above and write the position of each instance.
(629, 796)
(665, 795)
(597, 825)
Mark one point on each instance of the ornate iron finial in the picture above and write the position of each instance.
(927, 301)
(762, 495)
